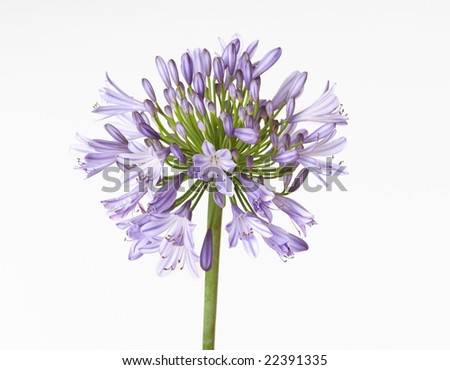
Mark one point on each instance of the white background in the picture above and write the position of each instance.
(376, 275)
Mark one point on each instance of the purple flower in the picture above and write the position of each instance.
(165, 196)
(243, 227)
(213, 164)
(177, 245)
(140, 243)
(218, 105)
(299, 215)
(120, 207)
(148, 163)
(259, 197)
(118, 101)
(317, 144)
(325, 109)
(99, 154)
(285, 244)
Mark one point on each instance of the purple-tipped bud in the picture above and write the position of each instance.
(199, 84)
(232, 91)
(116, 134)
(219, 198)
(156, 144)
(261, 179)
(137, 118)
(299, 137)
(291, 87)
(173, 70)
(207, 62)
(242, 114)
(218, 89)
(184, 105)
(187, 68)
(266, 62)
(250, 109)
(198, 102)
(176, 151)
(228, 125)
(249, 122)
(147, 131)
(251, 49)
(229, 57)
(286, 140)
(181, 131)
(254, 90)
(168, 110)
(290, 107)
(162, 69)
(182, 89)
(148, 89)
(297, 85)
(206, 255)
(219, 69)
(150, 107)
(269, 109)
(201, 126)
(249, 162)
(248, 73)
(170, 95)
(239, 79)
(235, 154)
(299, 180)
(211, 108)
(247, 135)
(274, 139)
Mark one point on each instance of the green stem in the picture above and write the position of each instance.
(212, 276)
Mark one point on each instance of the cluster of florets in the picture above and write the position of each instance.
(215, 134)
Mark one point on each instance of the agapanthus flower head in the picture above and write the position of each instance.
(210, 130)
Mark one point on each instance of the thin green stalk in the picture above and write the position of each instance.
(212, 276)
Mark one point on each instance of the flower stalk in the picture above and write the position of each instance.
(214, 223)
